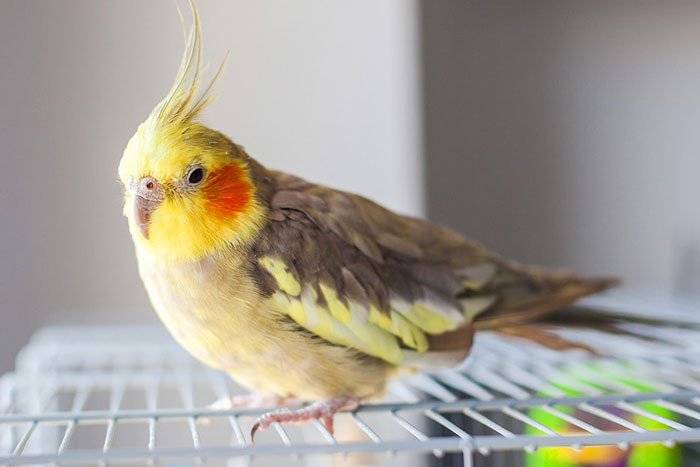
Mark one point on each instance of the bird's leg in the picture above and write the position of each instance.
(253, 401)
(322, 410)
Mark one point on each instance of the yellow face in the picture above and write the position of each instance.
(188, 192)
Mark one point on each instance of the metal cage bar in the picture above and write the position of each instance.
(94, 394)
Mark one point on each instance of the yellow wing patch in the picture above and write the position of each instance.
(431, 318)
(410, 334)
(367, 337)
(397, 325)
(337, 307)
(366, 328)
(379, 318)
(285, 279)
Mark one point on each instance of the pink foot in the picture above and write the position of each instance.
(322, 410)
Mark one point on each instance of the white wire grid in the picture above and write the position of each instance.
(98, 395)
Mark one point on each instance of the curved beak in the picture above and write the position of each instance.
(147, 194)
(143, 208)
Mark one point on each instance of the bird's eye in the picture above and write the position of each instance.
(195, 175)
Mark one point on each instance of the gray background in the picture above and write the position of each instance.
(567, 133)
(556, 132)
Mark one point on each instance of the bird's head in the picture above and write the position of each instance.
(189, 190)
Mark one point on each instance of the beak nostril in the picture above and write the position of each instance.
(148, 185)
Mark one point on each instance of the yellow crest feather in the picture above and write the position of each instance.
(183, 102)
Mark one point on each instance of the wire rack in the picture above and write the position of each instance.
(115, 395)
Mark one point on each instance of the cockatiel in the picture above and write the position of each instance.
(298, 290)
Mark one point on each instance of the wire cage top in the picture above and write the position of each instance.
(129, 394)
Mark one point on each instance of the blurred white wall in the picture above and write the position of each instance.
(568, 133)
(326, 90)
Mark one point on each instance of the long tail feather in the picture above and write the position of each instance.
(544, 293)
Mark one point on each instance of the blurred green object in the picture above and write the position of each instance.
(640, 455)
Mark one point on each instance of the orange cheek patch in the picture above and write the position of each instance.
(228, 191)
